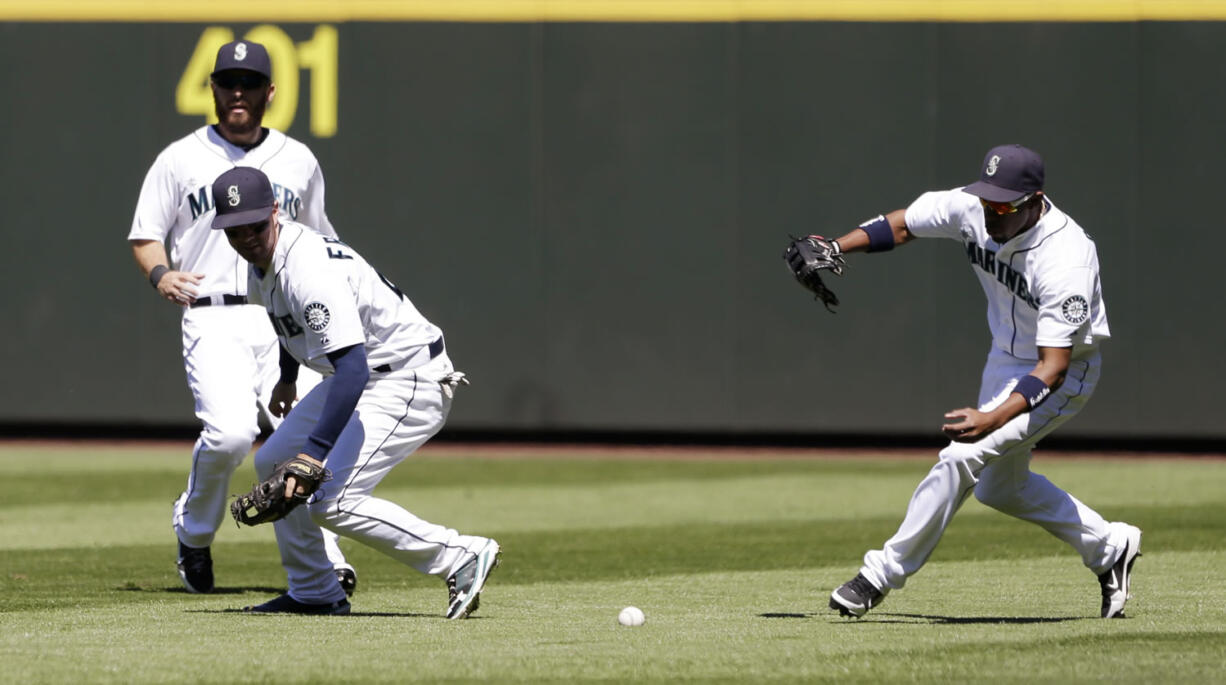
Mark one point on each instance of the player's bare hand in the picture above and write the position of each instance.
(968, 425)
(291, 481)
(180, 286)
(284, 395)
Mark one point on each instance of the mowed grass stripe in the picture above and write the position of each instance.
(959, 621)
(83, 475)
(33, 578)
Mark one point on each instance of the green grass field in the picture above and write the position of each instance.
(732, 559)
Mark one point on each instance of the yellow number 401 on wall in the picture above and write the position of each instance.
(317, 55)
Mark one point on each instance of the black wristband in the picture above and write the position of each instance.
(880, 234)
(1032, 389)
(156, 273)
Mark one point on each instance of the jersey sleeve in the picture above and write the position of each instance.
(939, 214)
(326, 306)
(313, 214)
(156, 206)
(1064, 307)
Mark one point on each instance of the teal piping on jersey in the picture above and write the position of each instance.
(238, 11)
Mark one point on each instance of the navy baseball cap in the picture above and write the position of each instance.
(242, 195)
(1010, 172)
(243, 54)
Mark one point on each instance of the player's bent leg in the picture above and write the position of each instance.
(1009, 486)
(220, 369)
(398, 414)
(310, 573)
(933, 504)
(287, 441)
(201, 508)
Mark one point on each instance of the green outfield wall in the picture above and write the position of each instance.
(594, 210)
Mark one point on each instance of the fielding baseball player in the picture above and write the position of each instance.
(1039, 271)
(229, 349)
(387, 389)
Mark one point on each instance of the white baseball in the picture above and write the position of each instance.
(631, 616)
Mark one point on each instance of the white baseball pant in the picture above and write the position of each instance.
(997, 469)
(397, 413)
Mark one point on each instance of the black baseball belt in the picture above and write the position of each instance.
(218, 300)
(434, 349)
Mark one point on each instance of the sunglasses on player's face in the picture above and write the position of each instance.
(247, 80)
(241, 230)
(1005, 207)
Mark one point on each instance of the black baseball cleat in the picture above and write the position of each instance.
(195, 566)
(856, 597)
(348, 578)
(288, 605)
(1116, 580)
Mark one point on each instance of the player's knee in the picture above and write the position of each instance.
(998, 494)
(963, 458)
(266, 460)
(234, 441)
(324, 513)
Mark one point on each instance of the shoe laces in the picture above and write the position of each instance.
(861, 586)
(196, 559)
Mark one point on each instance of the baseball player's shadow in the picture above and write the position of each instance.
(883, 617)
(180, 590)
(351, 614)
(1018, 620)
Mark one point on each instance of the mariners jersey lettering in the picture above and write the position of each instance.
(1042, 285)
(322, 296)
(176, 203)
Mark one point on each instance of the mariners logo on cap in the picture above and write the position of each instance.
(317, 316)
(232, 196)
(1075, 309)
(240, 52)
(992, 165)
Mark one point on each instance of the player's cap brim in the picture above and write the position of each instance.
(249, 216)
(993, 193)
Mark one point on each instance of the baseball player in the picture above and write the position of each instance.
(387, 389)
(1039, 271)
(229, 349)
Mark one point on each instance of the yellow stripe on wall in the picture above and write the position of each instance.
(233, 11)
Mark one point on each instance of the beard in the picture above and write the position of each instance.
(240, 122)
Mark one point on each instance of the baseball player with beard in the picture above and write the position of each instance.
(387, 389)
(1039, 271)
(229, 349)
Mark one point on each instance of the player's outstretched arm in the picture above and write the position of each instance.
(176, 286)
(969, 425)
(859, 240)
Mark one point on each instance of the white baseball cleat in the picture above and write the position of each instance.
(464, 585)
(1117, 579)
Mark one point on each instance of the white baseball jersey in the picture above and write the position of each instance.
(176, 201)
(322, 296)
(1042, 286)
